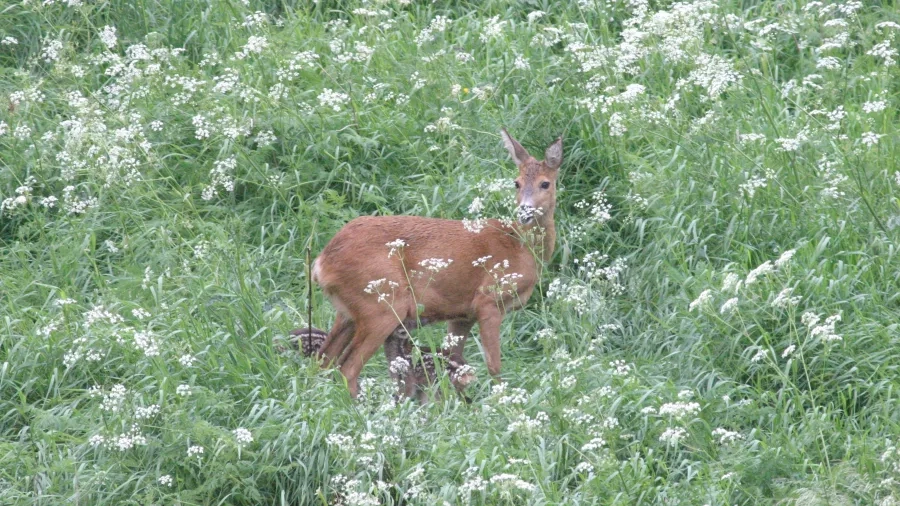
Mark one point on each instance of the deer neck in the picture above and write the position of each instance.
(540, 238)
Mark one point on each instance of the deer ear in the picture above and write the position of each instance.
(553, 155)
(516, 151)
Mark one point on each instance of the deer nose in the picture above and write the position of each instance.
(525, 214)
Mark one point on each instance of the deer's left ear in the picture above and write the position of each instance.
(554, 154)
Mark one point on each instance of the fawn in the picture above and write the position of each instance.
(412, 374)
(373, 290)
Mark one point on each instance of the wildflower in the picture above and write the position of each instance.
(492, 28)
(785, 258)
(521, 63)
(475, 226)
(108, 36)
(183, 390)
(114, 400)
(511, 481)
(702, 300)
(726, 437)
(436, 264)
(761, 354)
(873, 107)
(620, 368)
(617, 125)
(451, 340)
(870, 138)
(547, 335)
(142, 413)
(195, 450)
(166, 480)
(255, 45)
(395, 245)
(826, 331)
(713, 73)
(673, 436)
(732, 283)
(788, 351)
(340, 441)
(729, 306)
(186, 360)
(679, 409)
(594, 444)
(242, 436)
(333, 99)
(765, 268)
(828, 63)
(784, 299)
(399, 365)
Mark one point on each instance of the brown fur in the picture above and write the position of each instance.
(462, 294)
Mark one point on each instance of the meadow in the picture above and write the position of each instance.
(718, 324)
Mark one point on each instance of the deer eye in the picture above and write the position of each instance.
(518, 185)
(545, 185)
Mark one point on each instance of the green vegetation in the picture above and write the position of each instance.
(718, 324)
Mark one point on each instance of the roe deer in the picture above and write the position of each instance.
(374, 290)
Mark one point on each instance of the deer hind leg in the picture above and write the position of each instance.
(337, 340)
(368, 336)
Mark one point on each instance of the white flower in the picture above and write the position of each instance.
(785, 258)
(142, 413)
(784, 299)
(166, 480)
(679, 409)
(765, 268)
(108, 36)
(195, 450)
(726, 437)
(732, 283)
(511, 481)
(729, 306)
(492, 28)
(870, 138)
(761, 354)
(620, 368)
(873, 107)
(828, 63)
(702, 300)
(788, 351)
(673, 436)
(242, 436)
(594, 444)
(617, 125)
(183, 390)
(333, 99)
(435, 264)
(186, 360)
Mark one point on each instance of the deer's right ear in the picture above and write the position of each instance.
(516, 151)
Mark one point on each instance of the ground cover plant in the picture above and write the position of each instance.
(718, 324)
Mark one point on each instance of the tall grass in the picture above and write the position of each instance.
(717, 326)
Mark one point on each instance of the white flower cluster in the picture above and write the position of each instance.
(680, 409)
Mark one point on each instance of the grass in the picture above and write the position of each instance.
(161, 189)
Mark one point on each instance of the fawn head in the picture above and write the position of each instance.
(536, 184)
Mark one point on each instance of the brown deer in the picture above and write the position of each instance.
(372, 270)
